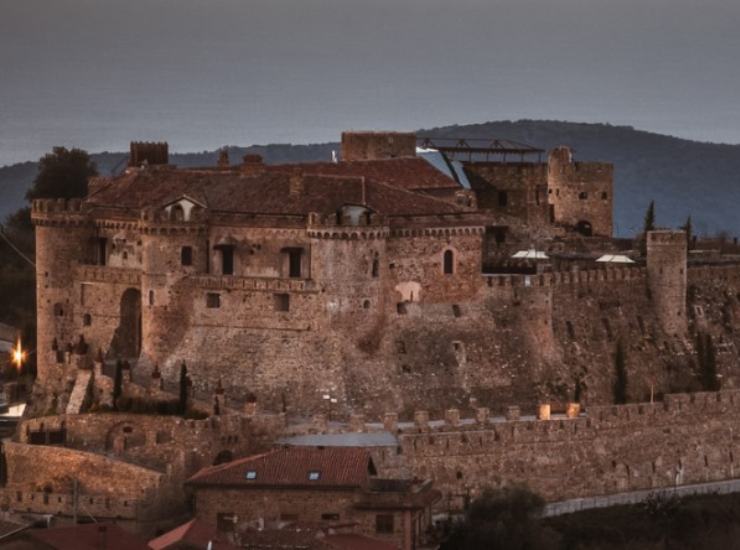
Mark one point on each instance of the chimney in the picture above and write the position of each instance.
(296, 185)
(148, 153)
(223, 158)
(252, 164)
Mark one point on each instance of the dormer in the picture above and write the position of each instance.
(183, 209)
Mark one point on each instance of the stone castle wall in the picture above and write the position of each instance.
(685, 439)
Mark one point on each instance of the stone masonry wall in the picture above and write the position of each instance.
(684, 439)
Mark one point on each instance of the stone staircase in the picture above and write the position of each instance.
(79, 392)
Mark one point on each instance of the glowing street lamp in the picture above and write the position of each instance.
(18, 355)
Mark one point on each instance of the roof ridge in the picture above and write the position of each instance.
(207, 470)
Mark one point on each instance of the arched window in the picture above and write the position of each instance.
(449, 262)
(376, 267)
(87, 320)
(151, 297)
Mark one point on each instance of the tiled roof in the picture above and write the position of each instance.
(268, 192)
(351, 541)
(92, 536)
(196, 533)
(406, 172)
(345, 467)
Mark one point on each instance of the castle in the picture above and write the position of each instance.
(397, 283)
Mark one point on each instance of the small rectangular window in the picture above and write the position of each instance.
(281, 302)
(503, 199)
(213, 300)
(330, 517)
(384, 523)
(186, 255)
(314, 475)
(251, 474)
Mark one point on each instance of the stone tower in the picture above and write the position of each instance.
(377, 145)
(666, 266)
(580, 193)
(63, 239)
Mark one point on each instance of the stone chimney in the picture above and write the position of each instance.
(377, 145)
(296, 185)
(252, 164)
(144, 153)
(223, 158)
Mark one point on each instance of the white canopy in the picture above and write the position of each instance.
(530, 254)
(615, 259)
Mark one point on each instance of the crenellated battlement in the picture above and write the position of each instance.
(561, 278)
(55, 212)
(674, 408)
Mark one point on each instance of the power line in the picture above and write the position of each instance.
(17, 250)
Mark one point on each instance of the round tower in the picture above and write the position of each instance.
(63, 241)
(666, 267)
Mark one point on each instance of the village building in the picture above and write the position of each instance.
(333, 486)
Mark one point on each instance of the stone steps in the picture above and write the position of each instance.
(79, 392)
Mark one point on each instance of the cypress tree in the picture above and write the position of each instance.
(649, 224)
(183, 403)
(689, 229)
(118, 383)
(620, 381)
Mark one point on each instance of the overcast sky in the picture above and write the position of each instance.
(205, 73)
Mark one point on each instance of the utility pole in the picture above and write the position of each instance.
(74, 501)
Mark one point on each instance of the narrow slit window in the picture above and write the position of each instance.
(449, 262)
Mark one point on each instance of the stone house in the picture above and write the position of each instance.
(330, 486)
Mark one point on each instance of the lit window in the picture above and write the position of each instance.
(314, 475)
(251, 474)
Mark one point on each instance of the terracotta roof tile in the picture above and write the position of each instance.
(264, 193)
(195, 532)
(408, 172)
(345, 467)
(89, 537)
(352, 541)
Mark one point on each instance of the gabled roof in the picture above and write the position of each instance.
(196, 533)
(290, 467)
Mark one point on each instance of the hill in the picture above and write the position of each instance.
(682, 176)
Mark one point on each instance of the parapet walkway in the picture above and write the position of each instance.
(635, 497)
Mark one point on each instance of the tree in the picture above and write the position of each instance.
(183, 403)
(63, 173)
(500, 519)
(620, 381)
(688, 228)
(649, 224)
(707, 358)
(118, 383)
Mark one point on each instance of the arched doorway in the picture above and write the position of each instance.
(127, 339)
(584, 228)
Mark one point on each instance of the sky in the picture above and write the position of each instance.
(206, 73)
